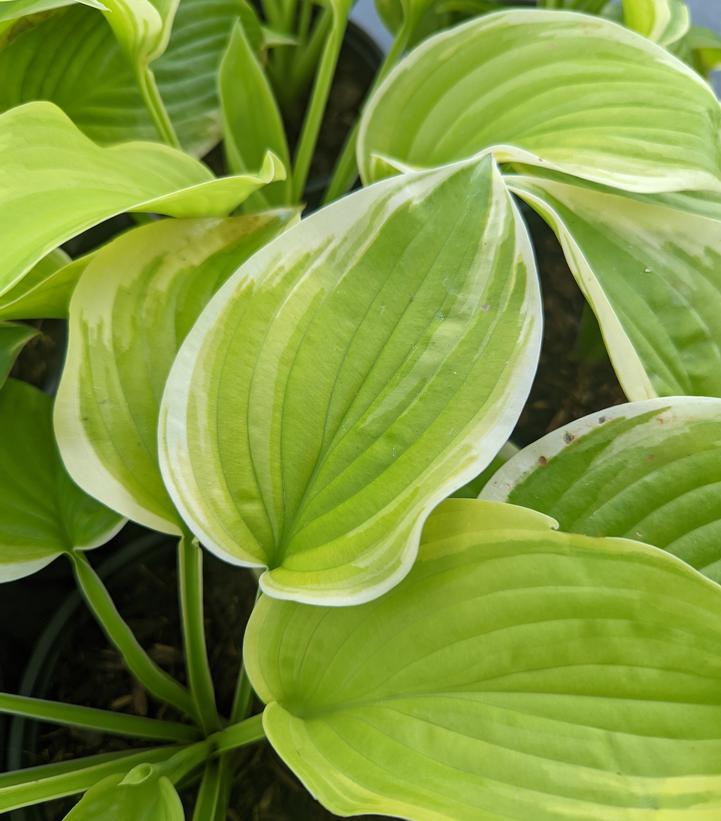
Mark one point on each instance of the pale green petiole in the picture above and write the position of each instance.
(155, 680)
(190, 574)
(91, 718)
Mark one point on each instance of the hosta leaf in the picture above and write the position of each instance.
(701, 48)
(13, 9)
(42, 512)
(516, 673)
(651, 271)
(47, 161)
(471, 489)
(45, 291)
(141, 27)
(13, 339)
(353, 373)
(141, 795)
(650, 471)
(665, 21)
(567, 91)
(423, 17)
(132, 308)
(72, 59)
(253, 124)
(33, 785)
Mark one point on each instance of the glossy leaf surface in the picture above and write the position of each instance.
(517, 672)
(651, 271)
(352, 374)
(557, 89)
(141, 795)
(72, 59)
(252, 121)
(133, 307)
(47, 161)
(13, 338)
(649, 471)
(42, 512)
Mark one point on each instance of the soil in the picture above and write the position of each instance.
(145, 592)
(574, 376)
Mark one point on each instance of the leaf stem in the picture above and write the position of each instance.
(207, 803)
(156, 107)
(318, 100)
(238, 735)
(346, 169)
(21, 788)
(190, 575)
(91, 718)
(155, 680)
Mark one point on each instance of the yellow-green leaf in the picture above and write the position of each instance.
(649, 471)
(133, 306)
(48, 162)
(665, 21)
(557, 89)
(42, 512)
(252, 121)
(651, 270)
(353, 373)
(516, 673)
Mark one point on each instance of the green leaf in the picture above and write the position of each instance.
(42, 512)
(96, 720)
(45, 291)
(664, 21)
(702, 47)
(22, 788)
(353, 373)
(141, 27)
(13, 339)
(651, 271)
(424, 17)
(566, 91)
(47, 161)
(133, 306)
(516, 673)
(471, 489)
(252, 121)
(141, 795)
(72, 59)
(649, 471)
(14, 9)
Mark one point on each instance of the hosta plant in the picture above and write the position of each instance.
(301, 393)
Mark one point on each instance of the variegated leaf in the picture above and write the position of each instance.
(47, 161)
(133, 306)
(557, 89)
(651, 271)
(42, 512)
(351, 375)
(648, 470)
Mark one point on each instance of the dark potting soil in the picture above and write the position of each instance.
(91, 673)
(574, 376)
